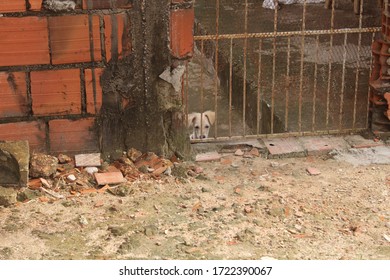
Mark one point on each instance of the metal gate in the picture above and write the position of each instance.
(300, 70)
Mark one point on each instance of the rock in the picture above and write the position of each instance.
(117, 230)
(91, 170)
(64, 159)
(122, 190)
(28, 194)
(180, 171)
(239, 152)
(7, 196)
(71, 178)
(83, 221)
(126, 161)
(133, 154)
(42, 165)
(14, 163)
(276, 211)
(150, 230)
(254, 152)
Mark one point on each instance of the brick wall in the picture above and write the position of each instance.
(51, 64)
(50, 68)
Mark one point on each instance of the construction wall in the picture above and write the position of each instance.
(58, 67)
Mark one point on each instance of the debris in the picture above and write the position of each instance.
(64, 159)
(91, 170)
(133, 154)
(53, 194)
(45, 183)
(99, 203)
(313, 171)
(254, 152)
(210, 156)
(83, 221)
(385, 236)
(42, 165)
(71, 178)
(88, 159)
(109, 178)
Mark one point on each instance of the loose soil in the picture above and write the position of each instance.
(237, 208)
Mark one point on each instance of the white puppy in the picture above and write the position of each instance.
(201, 123)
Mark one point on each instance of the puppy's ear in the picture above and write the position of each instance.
(191, 119)
(210, 115)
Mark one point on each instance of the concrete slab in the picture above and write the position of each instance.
(14, 163)
(210, 156)
(365, 156)
(321, 145)
(284, 147)
(358, 142)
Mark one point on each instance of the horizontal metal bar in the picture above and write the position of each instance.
(281, 135)
(288, 33)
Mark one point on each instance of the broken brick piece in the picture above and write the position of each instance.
(313, 171)
(109, 178)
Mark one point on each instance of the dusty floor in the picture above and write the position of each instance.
(239, 208)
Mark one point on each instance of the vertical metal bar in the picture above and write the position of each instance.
(330, 66)
(216, 66)
(369, 88)
(313, 127)
(302, 67)
(201, 78)
(259, 116)
(357, 66)
(273, 71)
(288, 82)
(245, 71)
(230, 86)
(341, 111)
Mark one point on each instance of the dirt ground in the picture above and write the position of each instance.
(235, 208)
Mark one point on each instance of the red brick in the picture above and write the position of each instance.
(7, 6)
(72, 136)
(70, 39)
(56, 92)
(23, 41)
(107, 4)
(181, 32)
(35, 5)
(33, 132)
(94, 93)
(115, 41)
(109, 178)
(13, 94)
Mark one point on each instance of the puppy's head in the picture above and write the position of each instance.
(201, 123)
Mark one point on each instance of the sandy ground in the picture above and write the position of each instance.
(236, 208)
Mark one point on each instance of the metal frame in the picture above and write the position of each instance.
(303, 33)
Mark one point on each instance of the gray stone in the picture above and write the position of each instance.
(14, 162)
(7, 196)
